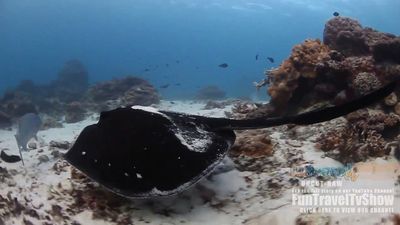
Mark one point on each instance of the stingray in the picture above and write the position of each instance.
(140, 152)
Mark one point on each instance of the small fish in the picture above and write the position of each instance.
(28, 126)
(9, 158)
(177, 84)
(177, 61)
(146, 70)
(167, 65)
(164, 86)
(335, 14)
(223, 65)
(256, 57)
(271, 60)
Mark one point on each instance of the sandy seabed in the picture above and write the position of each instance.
(47, 190)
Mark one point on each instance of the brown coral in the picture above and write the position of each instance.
(363, 136)
(253, 144)
(301, 64)
(364, 83)
(351, 61)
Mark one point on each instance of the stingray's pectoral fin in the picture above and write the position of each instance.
(140, 152)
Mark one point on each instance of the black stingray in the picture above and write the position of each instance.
(142, 152)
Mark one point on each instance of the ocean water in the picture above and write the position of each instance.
(124, 37)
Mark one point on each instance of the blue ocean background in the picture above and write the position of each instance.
(126, 37)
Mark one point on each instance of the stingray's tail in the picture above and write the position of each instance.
(311, 117)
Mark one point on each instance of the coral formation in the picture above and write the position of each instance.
(122, 92)
(365, 134)
(211, 92)
(351, 61)
(75, 112)
(72, 81)
(253, 144)
(69, 96)
(5, 120)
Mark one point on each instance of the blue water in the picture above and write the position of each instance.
(124, 37)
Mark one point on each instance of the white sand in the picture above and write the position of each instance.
(234, 197)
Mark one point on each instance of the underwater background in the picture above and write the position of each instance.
(169, 41)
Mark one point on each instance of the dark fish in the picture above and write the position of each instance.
(129, 157)
(223, 65)
(146, 70)
(335, 14)
(177, 61)
(9, 158)
(271, 60)
(167, 65)
(256, 57)
(177, 84)
(164, 86)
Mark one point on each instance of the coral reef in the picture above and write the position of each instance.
(5, 120)
(211, 92)
(75, 112)
(253, 144)
(69, 96)
(72, 81)
(351, 61)
(365, 134)
(122, 92)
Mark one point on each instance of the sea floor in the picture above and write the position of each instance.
(49, 191)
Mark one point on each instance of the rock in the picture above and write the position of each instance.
(43, 159)
(60, 144)
(122, 92)
(72, 82)
(56, 154)
(349, 37)
(32, 145)
(211, 92)
(391, 99)
(50, 122)
(313, 219)
(397, 109)
(11, 183)
(75, 112)
(5, 120)
(252, 143)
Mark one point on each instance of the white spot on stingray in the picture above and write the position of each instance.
(138, 175)
(179, 157)
(109, 164)
(95, 160)
(147, 109)
(126, 174)
(83, 153)
(195, 141)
